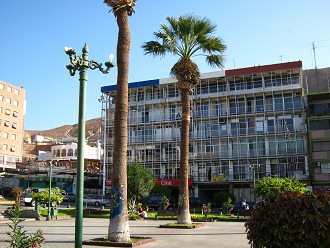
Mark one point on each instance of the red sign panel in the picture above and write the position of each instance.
(108, 182)
(172, 182)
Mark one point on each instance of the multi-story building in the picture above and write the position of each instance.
(317, 92)
(246, 124)
(12, 111)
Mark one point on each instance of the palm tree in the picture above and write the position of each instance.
(186, 36)
(119, 228)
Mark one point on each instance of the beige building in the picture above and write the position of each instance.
(12, 111)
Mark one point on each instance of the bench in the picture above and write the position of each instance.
(167, 212)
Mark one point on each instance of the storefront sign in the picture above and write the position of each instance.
(172, 182)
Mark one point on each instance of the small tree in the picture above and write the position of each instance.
(220, 197)
(19, 237)
(206, 208)
(56, 196)
(228, 204)
(16, 193)
(164, 203)
(270, 187)
(140, 182)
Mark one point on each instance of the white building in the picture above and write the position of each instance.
(242, 121)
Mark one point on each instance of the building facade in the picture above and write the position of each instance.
(246, 124)
(319, 140)
(12, 111)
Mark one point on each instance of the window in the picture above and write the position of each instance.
(58, 152)
(16, 103)
(0, 109)
(14, 125)
(8, 100)
(70, 152)
(7, 111)
(5, 135)
(15, 113)
(2, 86)
(320, 125)
(1, 98)
(4, 147)
(9, 89)
(63, 153)
(13, 148)
(16, 91)
(321, 146)
(7, 123)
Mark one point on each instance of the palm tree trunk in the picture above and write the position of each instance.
(119, 226)
(183, 204)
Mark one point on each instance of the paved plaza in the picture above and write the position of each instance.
(60, 233)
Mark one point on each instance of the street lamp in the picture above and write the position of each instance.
(49, 189)
(81, 64)
(254, 167)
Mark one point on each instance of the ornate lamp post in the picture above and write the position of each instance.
(81, 64)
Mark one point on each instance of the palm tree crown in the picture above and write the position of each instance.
(185, 37)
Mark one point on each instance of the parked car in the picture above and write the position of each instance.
(239, 205)
(69, 197)
(5, 191)
(152, 201)
(27, 200)
(96, 200)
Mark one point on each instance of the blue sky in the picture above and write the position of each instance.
(33, 34)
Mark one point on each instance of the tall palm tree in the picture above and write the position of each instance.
(119, 228)
(185, 37)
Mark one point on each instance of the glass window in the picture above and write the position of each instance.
(13, 136)
(63, 153)
(16, 103)
(7, 123)
(70, 152)
(15, 113)
(7, 111)
(320, 125)
(5, 135)
(8, 100)
(9, 89)
(2, 86)
(16, 91)
(14, 125)
(259, 104)
(1, 98)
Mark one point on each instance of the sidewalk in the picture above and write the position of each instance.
(61, 234)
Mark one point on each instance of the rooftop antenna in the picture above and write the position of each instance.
(281, 56)
(317, 78)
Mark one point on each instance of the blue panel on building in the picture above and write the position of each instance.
(131, 85)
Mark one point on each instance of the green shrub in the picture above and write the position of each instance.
(271, 186)
(291, 219)
(220, 197)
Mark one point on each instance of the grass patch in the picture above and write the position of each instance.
(133, 242)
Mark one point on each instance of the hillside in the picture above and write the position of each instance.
(93, 127)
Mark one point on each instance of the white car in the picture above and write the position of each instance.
(27, 200)
(95, 200)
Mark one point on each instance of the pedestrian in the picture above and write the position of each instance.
(143, 213)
